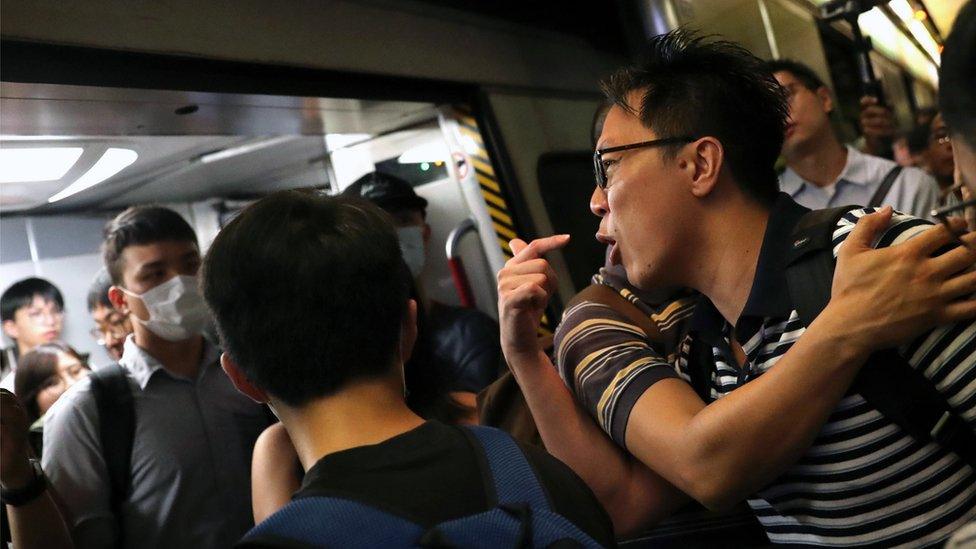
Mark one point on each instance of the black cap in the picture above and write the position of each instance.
(386, 191)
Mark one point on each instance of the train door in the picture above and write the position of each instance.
(445, 160)
(208, 154)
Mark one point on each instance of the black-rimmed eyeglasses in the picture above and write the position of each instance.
(600, 169)
(943, 213)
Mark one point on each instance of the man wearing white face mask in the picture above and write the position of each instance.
(184, 479)
(464, 341)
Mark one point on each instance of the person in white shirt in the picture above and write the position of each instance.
(821, 172)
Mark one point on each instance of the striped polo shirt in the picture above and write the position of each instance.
(864, 481)
(607, 361)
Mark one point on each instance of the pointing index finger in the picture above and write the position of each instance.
(538, 247)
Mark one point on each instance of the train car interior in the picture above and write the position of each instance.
(76, 155)
(485, 108)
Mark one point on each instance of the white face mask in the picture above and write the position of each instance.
(412, 247)
(176, 309)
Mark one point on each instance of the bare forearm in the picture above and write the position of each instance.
(38, 524)
(736, 445)
(632, 495)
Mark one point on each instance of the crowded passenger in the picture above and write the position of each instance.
(111, 325)
(155, 451)
(464, 340)
(442, 372)
(276, 471)
(44, 374)
(329, 358)
(706, 122)
(821, 172)
(32, 311)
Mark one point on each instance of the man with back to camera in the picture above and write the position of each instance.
(189, 479)
(32, 312)
(821, 172)
(687, 151)
(328, 358)
(112, 327)
(464, 341)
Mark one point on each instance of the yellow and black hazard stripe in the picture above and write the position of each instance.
(491, 191)
(501, 217)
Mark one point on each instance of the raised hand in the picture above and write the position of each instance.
(877, 126)
(525, 285)
(887, 296)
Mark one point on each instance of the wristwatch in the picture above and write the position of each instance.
(27, 494)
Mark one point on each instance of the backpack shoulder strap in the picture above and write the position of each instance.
(117, 425)
(882, 191)
(511, 473)
(887, 381)
(700, 361)
(810, 263)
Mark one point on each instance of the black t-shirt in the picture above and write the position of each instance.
(431, 474)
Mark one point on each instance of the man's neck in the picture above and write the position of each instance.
(364, 413)
(725, 262)
(181, 358)
(822, 162)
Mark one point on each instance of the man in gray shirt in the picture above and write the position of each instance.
(821, 172)
(189, 477)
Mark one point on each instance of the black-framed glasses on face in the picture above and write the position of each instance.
(944, 213)
(600, 169)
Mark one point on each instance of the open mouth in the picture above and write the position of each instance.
(613, 254)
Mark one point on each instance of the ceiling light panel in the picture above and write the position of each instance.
(33, 164)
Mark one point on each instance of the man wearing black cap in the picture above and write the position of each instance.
(464, 342)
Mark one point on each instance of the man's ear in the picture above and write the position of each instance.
(118, 298)
(10, 328)
(705, 158)
(408, 331)
(426, 233)
(240, 381)
(827, 102)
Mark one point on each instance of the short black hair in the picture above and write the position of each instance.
(599, 117)
(696, 85)
(802, 72)
(98, 291)
(957, 76)
(308, 292)
(21, 294)
(138, 226)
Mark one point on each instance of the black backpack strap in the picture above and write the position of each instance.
(886, 183)
(887, 381)
(117, 426)
(810, 263)
(700, 363)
